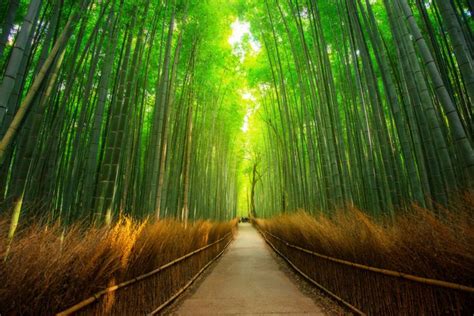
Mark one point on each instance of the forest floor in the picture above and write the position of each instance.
(249, 279)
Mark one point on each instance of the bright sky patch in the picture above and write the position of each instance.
(240, 35)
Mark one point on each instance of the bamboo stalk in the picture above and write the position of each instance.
(22, 110)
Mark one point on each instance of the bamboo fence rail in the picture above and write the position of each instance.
(370, 290)
(108, 304)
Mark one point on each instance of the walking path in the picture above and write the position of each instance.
(248, 281)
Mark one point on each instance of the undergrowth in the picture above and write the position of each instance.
(437, 245)
(48, 269)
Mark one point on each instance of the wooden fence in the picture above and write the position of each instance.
(374, 291)
(150, 293)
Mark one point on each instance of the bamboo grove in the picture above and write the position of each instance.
(117, 107)
(362, 102)
(136, 107)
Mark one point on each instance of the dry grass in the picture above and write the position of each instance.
(415, 242)
(49, 269)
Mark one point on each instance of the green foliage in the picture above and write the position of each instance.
(148, 110)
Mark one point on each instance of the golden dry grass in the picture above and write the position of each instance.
(49, 269)
(417, 241)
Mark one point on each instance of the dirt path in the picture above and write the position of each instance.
(247, 281)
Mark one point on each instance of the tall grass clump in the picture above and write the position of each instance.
(49, 268)
(437, 245)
